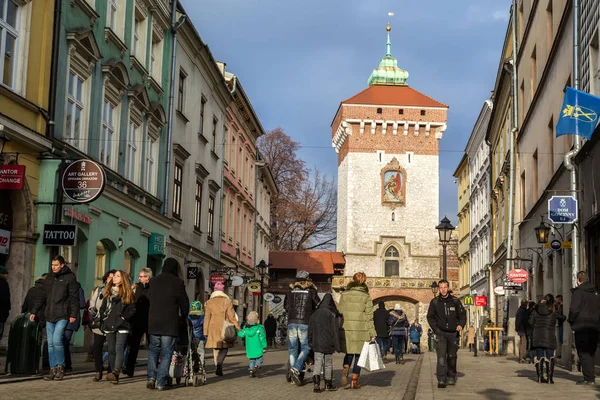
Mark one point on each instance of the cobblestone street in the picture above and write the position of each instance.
(391, 383)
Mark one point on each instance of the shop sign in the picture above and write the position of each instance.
(214, 278)
(518, 275)
(562, 209)
(83, 181)
(481, 301)
(468, 301)
(254, 287)
(192, 272)
(510, 285)
(4, 241)
(11, 177)
(268, 296)
(59, 235)
(76, 215)
(499, 290)
(276, 300)
(156, 244)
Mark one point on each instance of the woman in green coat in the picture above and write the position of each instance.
(356, 308)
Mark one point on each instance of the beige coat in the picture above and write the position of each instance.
(471, 335)
(215, 310)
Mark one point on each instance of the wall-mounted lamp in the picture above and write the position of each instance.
(120, 242)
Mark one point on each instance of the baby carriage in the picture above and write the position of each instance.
(187, 362)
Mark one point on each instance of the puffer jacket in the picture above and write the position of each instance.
(356, 308)
(380, 319)
(543, 322)
(398, 323)
(256, 340)
(300, 302)
(324, 327)
(415, 333)
(584, 314)
(445, 314)
(117, 315)
(197, 322)
(60, 296)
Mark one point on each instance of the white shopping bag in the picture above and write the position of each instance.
(375, 360)
(363, 360)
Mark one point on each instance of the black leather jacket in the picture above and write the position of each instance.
(300, 302)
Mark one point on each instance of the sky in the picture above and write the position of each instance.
(297, 59)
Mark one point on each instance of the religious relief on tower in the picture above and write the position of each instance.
(393, 183)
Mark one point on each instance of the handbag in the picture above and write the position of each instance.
(228, 333)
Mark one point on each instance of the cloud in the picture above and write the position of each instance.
(501, 16)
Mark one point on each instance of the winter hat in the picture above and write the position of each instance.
(302, 275)
(196, 308)
(252, 317)
(3, 270)
(397, 307)
(219, 286)
(171, 266)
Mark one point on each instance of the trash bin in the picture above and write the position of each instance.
(24, 346)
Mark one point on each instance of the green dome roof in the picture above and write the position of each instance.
(388, 72)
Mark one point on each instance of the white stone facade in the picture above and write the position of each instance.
(366, 227)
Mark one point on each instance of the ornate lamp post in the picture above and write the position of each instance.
(261, 268)
(434, 288)
(444, 229)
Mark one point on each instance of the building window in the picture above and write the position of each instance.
(379, 110)
(198, 206)
(131, 159)
(392, 262)
(211, 216)
(533, 81)
(152, 67)
(181, 91)
(551, 145)
(534, 177)
(177, 188)
(401, 111)
(150, 181)
(202, 109)
(111, 18)
(233, 154)
(129, 262)
(422, 112)
(8, 41)
(75, 107)
(109, 117)
(135, 50)
(102, 262)
(214, 134)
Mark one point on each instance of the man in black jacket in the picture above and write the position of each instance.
(60, 300)
(140, 319)
(169, 304)
(585, 322)
(446, 316)
(521, 321)
(300, 302)
(380, 319)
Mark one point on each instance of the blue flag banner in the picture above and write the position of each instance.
(579, 114)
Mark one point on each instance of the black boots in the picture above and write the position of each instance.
(397, 359)
(539, 369)
(317, 384)
(550, 367)
(329, 386)
(219, 371)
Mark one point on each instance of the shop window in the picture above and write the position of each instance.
(211, 216)
(129, 262)
(102, 262)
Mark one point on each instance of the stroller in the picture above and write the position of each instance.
(187, 361)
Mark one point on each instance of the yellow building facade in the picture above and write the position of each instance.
(26, 28)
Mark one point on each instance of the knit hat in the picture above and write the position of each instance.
(3, 270)
(219, 286)
(252, 317)
(397, 307)
(196, 308)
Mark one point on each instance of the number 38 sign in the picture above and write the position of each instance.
(83, 181)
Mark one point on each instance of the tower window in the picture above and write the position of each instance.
(401, 111)
(379, 110)
(422, 112)
(393, 216)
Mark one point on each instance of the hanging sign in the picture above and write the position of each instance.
(11, 177)
(276, 300)
(214, 278)
(499, 290)
(254, 287)
(518, 275)
(481, 301)
(83, 181)
(268, 296)
(192, 272)
(4, 241)
(468, 301)
(562, 209)
(237, 281)
(59, 235)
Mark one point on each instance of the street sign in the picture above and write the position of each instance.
(555, 245)
(567, 245)
(468, 301)
(59, 235)
(509, 285)
(562, 209)
(83, 181)
(481, 301)
(518, 275)
(192, 272)
(268, 296)
(499, 290)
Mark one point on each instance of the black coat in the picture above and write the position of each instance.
(270, 326)
(4, 300)
(446, 314)
(521, 321)
(584, 314)
(142, 308)
(380, 319)
(168, 303)
(543, 322)
(118, 317)
(29, 303)
(60, 296)
(300, 302)
(324, 328)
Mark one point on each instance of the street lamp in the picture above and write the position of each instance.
(261, 268)
(434, 288)
(445, 229)
(541, 232)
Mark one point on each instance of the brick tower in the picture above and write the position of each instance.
(387, 140)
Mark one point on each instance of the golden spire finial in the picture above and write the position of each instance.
(389, 27)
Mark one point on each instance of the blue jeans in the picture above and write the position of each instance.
(544, 353)
(160, 346)
(384, 345)
(255, 362)
(298, 336)
(56, 350)
(349, 358)
(398, 341)
(560, 335)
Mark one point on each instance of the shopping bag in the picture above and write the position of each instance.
(363, 360)
(375, 361)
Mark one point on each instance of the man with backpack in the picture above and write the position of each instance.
(446, 316)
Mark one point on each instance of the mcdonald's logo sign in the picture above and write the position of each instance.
(468, 301)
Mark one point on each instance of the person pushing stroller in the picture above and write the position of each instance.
(196, 325)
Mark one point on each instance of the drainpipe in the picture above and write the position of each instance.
(51, 124)
(175, 25)
(513, 132)
(577, 146)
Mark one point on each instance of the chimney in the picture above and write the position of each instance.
(221, 66)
